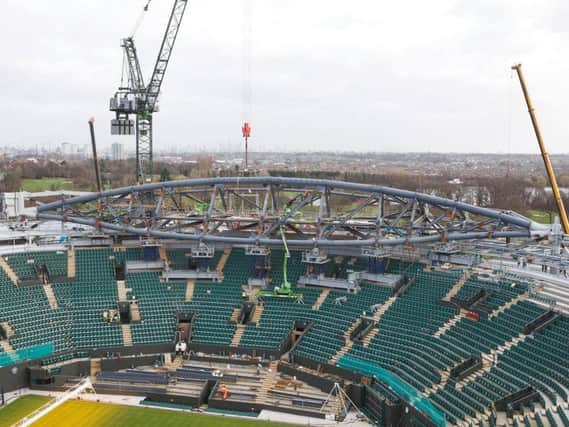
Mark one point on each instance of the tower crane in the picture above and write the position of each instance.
(141, 100)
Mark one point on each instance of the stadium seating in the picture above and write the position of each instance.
(405, 340)
(157, 304)
(405, 343)
(24, 263)
(501, 291)
(325, 338)
(213, 303)
(93, 290)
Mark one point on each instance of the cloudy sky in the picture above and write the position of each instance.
(325, 74)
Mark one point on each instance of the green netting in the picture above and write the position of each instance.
(30, 353)
(401, 388)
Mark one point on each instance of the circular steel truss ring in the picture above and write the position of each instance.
(311, 212)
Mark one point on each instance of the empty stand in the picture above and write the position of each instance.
(512, 302)
(323, 295)
(419, 340)
(453, 321)
(27, 265)
(540, 322)
(8, 271)
(457, 286)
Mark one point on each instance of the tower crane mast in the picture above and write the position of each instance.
(140, 100)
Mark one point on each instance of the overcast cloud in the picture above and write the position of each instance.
(326, 74)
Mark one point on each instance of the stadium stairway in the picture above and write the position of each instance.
(126, 335)
(50, 295)
(235, 315)
(462, 315)
(71, 263)
(267, 383)
(163, 255)
(489, 359)
(509, 304)
(9, 271)
(348, 342)
(221, 264)
(256, 318)
(134, 311)
(321, 298)
(441, 331)
(190, 285)
(458, 285)
(445, 375)
(236, 339)
(369, 336)
(121, 290)
(376, 318)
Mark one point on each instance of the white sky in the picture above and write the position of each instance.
(326, 74)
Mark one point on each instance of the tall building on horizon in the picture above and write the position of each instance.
(117, 151)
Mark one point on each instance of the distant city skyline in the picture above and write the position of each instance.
(373, 76)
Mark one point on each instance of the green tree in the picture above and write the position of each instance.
(164, 175)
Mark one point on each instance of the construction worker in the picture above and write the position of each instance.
(224, 391)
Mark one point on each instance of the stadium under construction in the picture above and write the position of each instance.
(309, 297)
(314, 301)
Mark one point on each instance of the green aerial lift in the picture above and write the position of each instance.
(285, 290)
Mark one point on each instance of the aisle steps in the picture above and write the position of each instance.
(457, 286)
(321, 298)
(221, 263)
(51, 299)
(121, 290)
(257, 314)
(239, 330)
(267, 383)
(71, 263)
(126, 335)
(190, 285)
(8, 270)
(444, 328)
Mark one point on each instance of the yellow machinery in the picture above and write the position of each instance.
(544, 154)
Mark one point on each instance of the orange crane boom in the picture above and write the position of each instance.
(544, 153)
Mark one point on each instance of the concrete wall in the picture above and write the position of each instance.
(14, 377)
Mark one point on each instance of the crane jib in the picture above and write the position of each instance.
(141, 100)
